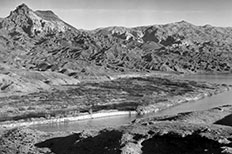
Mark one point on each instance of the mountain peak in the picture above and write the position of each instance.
(23, 8)
(23, 5)
(34, 23)
(183, 22)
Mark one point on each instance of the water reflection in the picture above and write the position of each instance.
(90, 124)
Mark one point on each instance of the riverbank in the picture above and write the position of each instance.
(142, 110)
(83, 116)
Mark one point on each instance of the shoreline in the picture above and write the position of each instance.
(142, 110)
(84, 116)
(153, 108)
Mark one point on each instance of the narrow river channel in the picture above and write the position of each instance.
(116, 121)
(208, 102)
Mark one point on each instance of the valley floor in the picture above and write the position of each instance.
(111, 97)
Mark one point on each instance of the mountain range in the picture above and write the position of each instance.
(38, 50)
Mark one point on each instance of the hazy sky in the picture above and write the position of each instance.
(91, 14)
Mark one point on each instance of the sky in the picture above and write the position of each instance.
(91, 14)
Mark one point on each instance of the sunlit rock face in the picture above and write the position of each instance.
(33, 23)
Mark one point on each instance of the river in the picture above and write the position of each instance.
(116, 121)
(208, 102)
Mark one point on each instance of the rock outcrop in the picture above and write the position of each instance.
(21, 141)
(23, 19)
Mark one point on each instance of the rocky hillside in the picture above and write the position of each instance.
(179, 47)
(40, 41)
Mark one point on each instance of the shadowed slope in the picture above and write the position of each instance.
(105, 142)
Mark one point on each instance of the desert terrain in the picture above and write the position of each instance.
(51, 72)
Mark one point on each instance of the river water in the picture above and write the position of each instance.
(116, 121)
(89, 124)
(208, 102)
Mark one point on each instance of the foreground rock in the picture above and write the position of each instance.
(21, 141)
(201, 132)
(186, 133)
